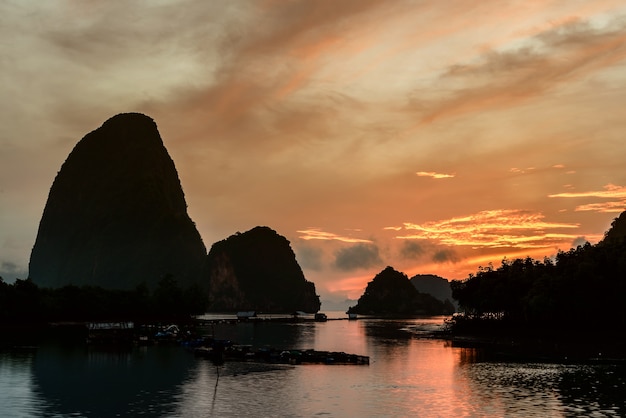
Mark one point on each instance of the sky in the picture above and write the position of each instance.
(431, 136)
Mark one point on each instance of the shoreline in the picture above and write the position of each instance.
(583, 348)
(540, 349)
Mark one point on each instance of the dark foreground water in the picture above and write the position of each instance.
(407, 376)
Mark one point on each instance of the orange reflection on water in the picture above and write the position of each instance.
(408, 375)
(419, 377)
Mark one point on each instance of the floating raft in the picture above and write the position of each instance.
(232, 352)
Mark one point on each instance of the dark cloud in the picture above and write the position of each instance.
(357, 257)
(106, 34)
(506, 78)
(411, 249)
(445, 256)
(10, 271)
(310, 257)
(579, 241)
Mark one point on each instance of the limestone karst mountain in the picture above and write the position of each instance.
(116, 214)
(257, 270)
(391, 293)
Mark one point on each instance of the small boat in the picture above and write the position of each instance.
(321, 317)
(167, 334)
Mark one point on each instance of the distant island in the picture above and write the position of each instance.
(391, 293)
(436, 286)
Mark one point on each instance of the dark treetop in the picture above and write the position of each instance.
(579, 295)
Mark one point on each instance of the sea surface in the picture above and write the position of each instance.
(408, 376)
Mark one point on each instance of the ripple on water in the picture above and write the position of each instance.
(538, 389)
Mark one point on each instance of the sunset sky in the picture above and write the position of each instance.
(431, 136)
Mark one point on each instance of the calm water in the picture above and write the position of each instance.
(407, 376)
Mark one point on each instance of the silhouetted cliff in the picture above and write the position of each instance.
(116, 214)
(391, 293)
(257, 270)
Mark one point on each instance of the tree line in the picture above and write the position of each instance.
(25, 303)
(580, 291)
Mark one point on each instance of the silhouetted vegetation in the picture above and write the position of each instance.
(24, 303)
(579, 293)
(436, 286)
(392, 294)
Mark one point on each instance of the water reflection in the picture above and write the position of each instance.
(16, 389)
(277, 334)
(92, 382)
(598, 389)
(407, 376)
(529, 389)
(237, 389)
(387, 331)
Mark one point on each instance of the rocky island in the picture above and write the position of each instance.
(116, 214)
(257, 270)
(391, 293)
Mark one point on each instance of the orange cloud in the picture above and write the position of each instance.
(607, 207)
(521, 170)
(492, 229)
(611, 191)
(393, 228)
(352, 286)
(317, 234)
(434, 175)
